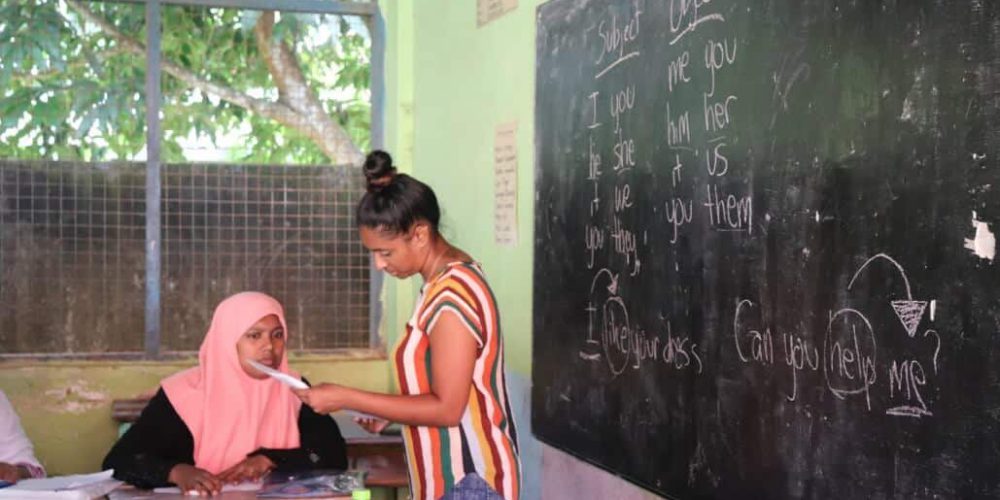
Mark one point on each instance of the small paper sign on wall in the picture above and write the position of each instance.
(488, 10)
(505, 185)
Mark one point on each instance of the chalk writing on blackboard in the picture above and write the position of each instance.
(753, 256)
(848, 356)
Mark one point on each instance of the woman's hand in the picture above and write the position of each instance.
(191, 479)
(323, 398)
(9, 472)
(250, 469)
(373, 425)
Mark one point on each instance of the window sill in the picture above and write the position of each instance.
(180, 359)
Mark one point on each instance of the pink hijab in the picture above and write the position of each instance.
(230, 413)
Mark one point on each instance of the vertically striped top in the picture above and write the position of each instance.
(485, 441)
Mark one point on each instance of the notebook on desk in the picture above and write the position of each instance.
(72, 487)
(246, 486)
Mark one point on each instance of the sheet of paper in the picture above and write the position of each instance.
(56, 483)
(282, 377)
(505, 185)
(51, 495)
(358, 414)
(247, 486)
(488, 10)
(73, 487)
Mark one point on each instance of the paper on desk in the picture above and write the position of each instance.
(246, 486)
(282, 377)
(62, 482)
(358, 414)
(56, 495)
(74, 487)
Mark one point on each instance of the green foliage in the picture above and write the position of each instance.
(69, 90)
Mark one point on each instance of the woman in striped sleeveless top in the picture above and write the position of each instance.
(458, 424)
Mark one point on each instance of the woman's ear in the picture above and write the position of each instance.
(421, 233)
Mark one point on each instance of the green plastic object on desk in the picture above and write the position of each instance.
(361, 495)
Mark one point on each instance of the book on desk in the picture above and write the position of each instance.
(71, 487)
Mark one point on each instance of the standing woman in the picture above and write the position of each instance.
(458, 424)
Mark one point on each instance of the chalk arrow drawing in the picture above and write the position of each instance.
(592, 311)
(908, 311)
(612, 287)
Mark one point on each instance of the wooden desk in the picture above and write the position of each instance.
(382, 456)
(129, 493)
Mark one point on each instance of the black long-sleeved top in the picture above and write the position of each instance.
(160, 439)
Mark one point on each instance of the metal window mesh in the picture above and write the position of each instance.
(72, 253)
(285, 230)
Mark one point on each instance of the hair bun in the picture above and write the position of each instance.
(378, 170)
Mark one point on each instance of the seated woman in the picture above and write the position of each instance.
(17, 456)
(223, 421)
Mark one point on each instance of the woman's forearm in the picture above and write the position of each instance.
(422, 409)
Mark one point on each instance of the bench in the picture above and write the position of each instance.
(382, 456)
(126, 411)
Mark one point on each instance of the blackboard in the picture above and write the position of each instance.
(763, 245)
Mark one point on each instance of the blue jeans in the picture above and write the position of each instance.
(472, 487)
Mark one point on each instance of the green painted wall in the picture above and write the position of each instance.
(398, 295)
(65, 406)
(468, 80)
(456, 83)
